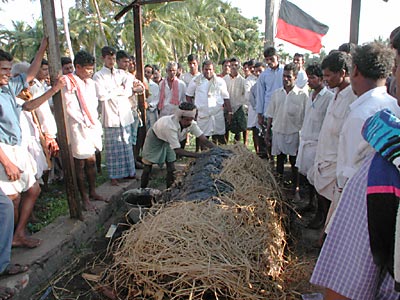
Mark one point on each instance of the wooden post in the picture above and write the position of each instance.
(136, 6)
(50, 30)
(269, 23)
(355, 21)
(137, 22)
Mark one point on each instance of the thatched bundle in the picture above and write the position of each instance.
(229, 247)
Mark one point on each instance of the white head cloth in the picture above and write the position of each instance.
(185, 113)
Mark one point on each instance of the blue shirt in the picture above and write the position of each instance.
(10, 129)
(269, 81)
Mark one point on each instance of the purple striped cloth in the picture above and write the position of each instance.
(345, 264)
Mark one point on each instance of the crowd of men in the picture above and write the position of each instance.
(324, 117)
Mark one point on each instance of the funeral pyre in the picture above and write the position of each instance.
(227, 242)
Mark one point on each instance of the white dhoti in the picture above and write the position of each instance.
(285, 143)
(252, 120)
(212, 123)
(85, 140)
(323, 176)
(20, 157)
(306, 156)
(31, 141)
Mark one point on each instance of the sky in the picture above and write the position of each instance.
(378, 18)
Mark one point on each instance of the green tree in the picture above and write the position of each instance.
(212, 29)
(23, 40)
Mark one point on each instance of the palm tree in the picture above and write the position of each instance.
(99, 21)
(82, 30)
(95, 10)
(23, 39)
(210, 28)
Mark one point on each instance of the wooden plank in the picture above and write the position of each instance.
(269, 23)
(124, 10)
(137, 21)
(54, 58)
(136, 7)
(355, 21)
(156, 1)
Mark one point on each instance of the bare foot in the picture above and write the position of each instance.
(114, 182)
(96, 197)
(88, 206)
(25, 242)
(13, 269)
(6, 293)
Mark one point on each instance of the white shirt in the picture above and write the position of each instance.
(302, 79)
(236, 90)
(287, 110)
(169, 130)
(170, 108)
(132, 98)
(208, 95)
(85, 136)
(154, 96)
(250, 98)
(249, 82)
(45, 116)
(315, 114)
(113, 90)
(74, 111)
(209, 98)
(187, 77)
(352, 147)
(328, 139)
(309, 133)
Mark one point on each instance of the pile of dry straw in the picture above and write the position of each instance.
(230, 247)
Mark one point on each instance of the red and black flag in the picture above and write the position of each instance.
(299, 28)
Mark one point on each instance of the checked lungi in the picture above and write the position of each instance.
(119, 153)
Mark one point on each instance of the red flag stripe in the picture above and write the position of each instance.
(300, 37)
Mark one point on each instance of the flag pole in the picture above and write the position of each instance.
(355, 21)
(269, 23)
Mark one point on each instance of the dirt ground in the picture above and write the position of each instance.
(78, 279)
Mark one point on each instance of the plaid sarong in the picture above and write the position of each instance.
(119, 153)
